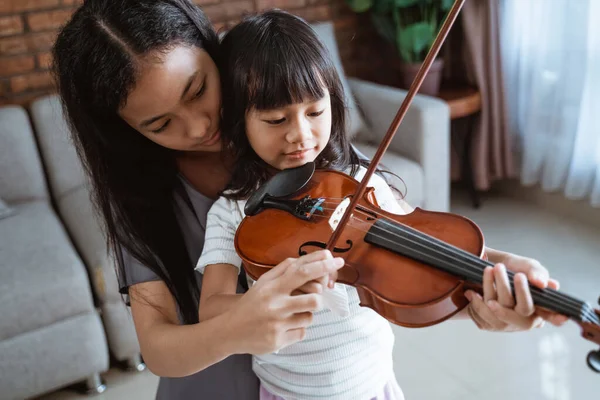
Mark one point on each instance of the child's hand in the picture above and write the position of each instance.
(269, 317)
(501, 310)
(315, 286)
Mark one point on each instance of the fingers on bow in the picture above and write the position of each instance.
(313, 266)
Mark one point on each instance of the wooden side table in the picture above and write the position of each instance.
(465, 104)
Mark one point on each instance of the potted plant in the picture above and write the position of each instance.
(411, 27)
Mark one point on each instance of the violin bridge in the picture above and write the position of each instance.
(337, 215)
(306, 207)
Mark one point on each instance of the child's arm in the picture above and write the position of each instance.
(218, 290)
(219, 262)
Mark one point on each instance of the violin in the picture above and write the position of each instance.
(434, 257)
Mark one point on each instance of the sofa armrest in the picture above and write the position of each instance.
(423, 135)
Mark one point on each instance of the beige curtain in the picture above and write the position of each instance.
(472, 54)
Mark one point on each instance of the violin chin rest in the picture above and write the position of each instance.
(284, 183)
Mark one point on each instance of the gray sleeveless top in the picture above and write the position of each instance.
(231, 378)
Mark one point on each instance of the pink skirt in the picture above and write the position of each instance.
(391, 391)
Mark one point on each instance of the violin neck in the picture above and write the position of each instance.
(414, 244)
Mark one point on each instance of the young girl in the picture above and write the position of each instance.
(282, 107)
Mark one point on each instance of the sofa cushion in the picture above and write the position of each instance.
(53, 356)
(410, 172)
(5, 210)
(42, 280)
(64, 168)
(21, 173)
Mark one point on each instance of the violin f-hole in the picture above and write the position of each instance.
(323, 245)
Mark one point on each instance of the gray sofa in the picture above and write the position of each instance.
(50, 332)
(71, 195)
(53, 261)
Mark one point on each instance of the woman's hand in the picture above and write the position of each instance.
(499, 309)
(272, 314)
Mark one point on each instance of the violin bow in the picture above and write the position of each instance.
(414, 88)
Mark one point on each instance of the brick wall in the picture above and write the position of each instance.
(28, 29)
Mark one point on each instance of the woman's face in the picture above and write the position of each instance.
(176, 101)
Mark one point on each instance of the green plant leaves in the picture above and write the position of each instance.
(383, 6)
(411, 25)
(414, 39)
(444, 5)
(447, 4)
(406, 3)
(359, 6)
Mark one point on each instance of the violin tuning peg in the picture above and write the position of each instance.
(593, 360)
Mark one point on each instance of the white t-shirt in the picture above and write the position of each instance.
(344, 355)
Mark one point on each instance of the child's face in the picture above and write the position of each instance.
(290, 136)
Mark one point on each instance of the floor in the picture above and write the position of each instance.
(456, 361)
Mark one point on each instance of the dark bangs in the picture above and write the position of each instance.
(285, 72)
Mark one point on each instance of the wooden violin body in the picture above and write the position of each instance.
(273, 235)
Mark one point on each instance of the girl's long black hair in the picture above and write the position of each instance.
(269, 61)
(96, 59)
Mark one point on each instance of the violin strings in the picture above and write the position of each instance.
(459, 252)
(569, 309)
(464, 265)
(548, 294)
(470, 258)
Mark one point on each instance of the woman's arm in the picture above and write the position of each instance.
(171, 349)
(219, 258)
(266, 318)
(218, 290)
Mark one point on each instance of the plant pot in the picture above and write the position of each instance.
(431, 83)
